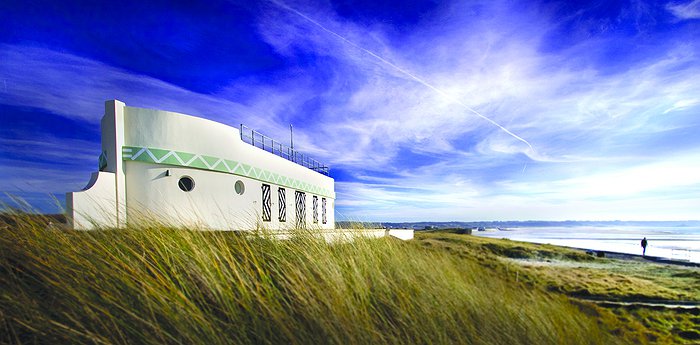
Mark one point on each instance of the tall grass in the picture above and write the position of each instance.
(157, 285)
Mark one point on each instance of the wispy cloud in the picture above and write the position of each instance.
(511, 81)
(595, 115)
(685, 10)
(581, 118)
(77, 87)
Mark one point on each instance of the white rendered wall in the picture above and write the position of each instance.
(179, 132)
(96, 204)
(213, 203)
(112, 128)
(103, 202)
(133, 186)
(403, 234)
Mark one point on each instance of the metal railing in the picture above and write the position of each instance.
(268, 144)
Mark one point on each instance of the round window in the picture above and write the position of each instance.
(186, 183)
(240, 187)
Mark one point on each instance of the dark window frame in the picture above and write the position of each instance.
(266, 203)
(282, 207)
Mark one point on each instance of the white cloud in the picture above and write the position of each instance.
(587, 124)
(682, 105)
(575, 116)
(77, 87)
(687, 10)
(662, 177)
(533, 94)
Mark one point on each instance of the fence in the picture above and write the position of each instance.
(258, 140)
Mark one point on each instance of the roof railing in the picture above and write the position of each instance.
(268, 144)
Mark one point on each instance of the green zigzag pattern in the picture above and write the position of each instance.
(191, 160)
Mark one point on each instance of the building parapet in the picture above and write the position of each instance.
(268, 144)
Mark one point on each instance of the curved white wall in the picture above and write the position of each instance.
(95, 205)
(145, 153)
(213, 203)
(184, 133)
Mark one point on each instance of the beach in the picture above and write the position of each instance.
(674, 243)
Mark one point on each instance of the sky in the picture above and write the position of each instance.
(424, 110)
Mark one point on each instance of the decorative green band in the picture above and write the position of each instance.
(191, 160)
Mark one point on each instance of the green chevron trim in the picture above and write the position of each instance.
(191, 160)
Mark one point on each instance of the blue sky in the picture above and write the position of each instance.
(425, 110)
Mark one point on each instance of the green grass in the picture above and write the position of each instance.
(572, 271)
(483, 248)
(155, 285)
(576, 274)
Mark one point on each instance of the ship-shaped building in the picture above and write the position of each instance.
(182, 170)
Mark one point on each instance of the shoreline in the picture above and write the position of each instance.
(633, 257)
(634, 294)
(672, 247)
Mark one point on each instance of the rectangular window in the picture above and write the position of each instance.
(315, 205)
(283, 204)
(301, 209)
(323, 210)
(266, 203)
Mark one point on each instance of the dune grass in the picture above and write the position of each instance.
(572, 271)
(156, 285)
(674, 326)
(576, 274)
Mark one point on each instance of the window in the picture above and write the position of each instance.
(239, 187)
(186, 183)
(282, 204)
(315, 206)
(300, 198)
(323, 210)
(266, 203)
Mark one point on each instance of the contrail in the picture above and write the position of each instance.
(405, 72)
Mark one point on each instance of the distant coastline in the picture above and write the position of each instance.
(523, 224)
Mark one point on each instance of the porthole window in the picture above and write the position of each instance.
(186, 183)
(239, 187)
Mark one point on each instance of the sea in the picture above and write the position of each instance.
(672, 242)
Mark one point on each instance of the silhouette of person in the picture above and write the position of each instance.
(644, 246)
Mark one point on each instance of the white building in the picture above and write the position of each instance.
(182, 170)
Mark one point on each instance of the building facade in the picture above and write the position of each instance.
(182, 170)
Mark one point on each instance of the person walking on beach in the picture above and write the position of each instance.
(644, 246)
